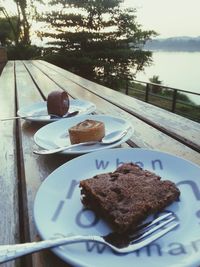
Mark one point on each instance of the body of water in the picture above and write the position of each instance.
(179, 70)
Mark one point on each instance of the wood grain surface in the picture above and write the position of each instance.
(34, 169)
(9, 205)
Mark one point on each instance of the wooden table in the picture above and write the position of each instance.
(21, 172)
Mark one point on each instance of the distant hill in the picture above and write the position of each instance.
(182, 43)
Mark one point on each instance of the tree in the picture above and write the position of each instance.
(7, 35)
(20, 27)
(8, 27)
(25, 13)
(15, 29)
(96, 39)
(23, 22)
(156, 88)
(155, 79)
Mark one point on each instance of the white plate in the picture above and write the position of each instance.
(40, 108)
(58, 210)
(56, 134)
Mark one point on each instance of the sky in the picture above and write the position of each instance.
(168, 17)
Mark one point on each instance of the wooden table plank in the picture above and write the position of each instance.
(9, 226)
(145, 136)
(44, 84)
(180, 128)
(34, 169)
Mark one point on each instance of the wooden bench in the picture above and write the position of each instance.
(21, 172)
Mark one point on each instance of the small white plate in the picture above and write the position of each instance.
(58, 210)
(40, 109)
(56, 134)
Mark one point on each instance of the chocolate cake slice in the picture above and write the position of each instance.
(125, 197)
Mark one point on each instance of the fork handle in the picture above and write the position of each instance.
(11, 252)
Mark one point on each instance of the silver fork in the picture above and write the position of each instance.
(146, 234)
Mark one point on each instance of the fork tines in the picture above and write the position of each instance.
(155, 226)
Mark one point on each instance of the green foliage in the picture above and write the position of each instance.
(96, 39)
(154, 87)
(184, 105)
(23, 52)
(15, 31)
(7, 36)
(24, 24)
(181, 96)
(20, 23)
(155, 79)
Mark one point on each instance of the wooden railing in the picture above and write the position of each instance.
(172, 99)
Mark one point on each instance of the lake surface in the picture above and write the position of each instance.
(180, 70)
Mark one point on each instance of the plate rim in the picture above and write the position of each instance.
(70, 259)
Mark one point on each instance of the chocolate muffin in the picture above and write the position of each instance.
(127, 196)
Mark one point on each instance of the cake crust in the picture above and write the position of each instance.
(127, 196)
